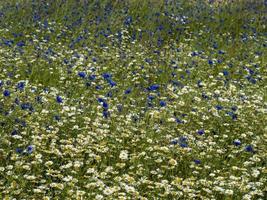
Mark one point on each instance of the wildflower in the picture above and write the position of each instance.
(123, 155)
(153, 87)
(237, 142)
(249, 148)
(196, 161)
(218, 107)
(20, 44)
(172, 162)
(162, 103)
(112, 83)
(105, 105)
(210, 62)
(82, 74)
(106, 76)
(19, 150)
(6, 93)
(59, 99)
(30, 149)
(21, 85)
(200, 132)
(128, 91)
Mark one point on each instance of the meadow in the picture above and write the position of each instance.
(131, 99)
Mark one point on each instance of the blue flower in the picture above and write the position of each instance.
(249, 148)
(196, 161)
(92, 77)
(128, 91)
(21, 85)
(218, 107)
(128, 20)
(106, 76)
(105, 105)
(20, 44)
(100, 100)
(30, 149)
(162, 103)
(112, 83)
(200, 132)
(14, 132)
(153, 87)
(237, 142)
(179, 121)
(150, 97)
(57, 117)
(105, 114)
(174, 142)
(82, 74)
(19, 150)
(59, 99)
(210, 62)
(6, 93)
(225, 73)
(25, 106)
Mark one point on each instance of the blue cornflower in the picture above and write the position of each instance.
(225, 73)
(112, 83)
(105, 114)
(179, 121)
(128, 91)
(30, 149)
(174, 142)
(183, 142)
(210, 62)
(57, 117)
(19, 150)
(200, 132)
(6, 93)
(21, 44)
(128, 20)
(21, 85)
(105, 105)
(82, 74)
(233, 115)
(92, 77)
(14, 132)
(153, 87)
(150, 97)
(196, 161)
(183, 145)
(100, 100)
(218, 107)
(59, 99)
(221, 52)
(162, 103)
(249, 148)
(237, 142)
(106, 76)
(25, 106)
